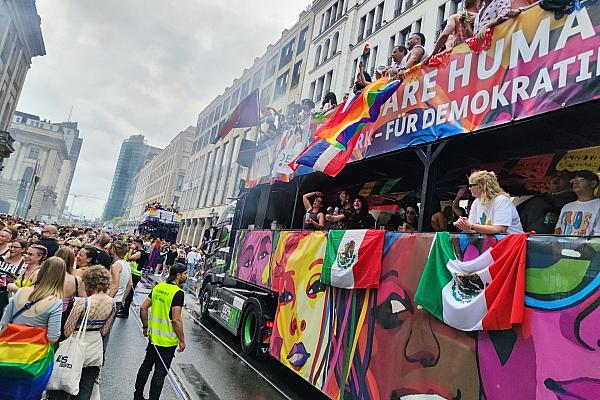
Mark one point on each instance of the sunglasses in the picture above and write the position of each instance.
(470, 185)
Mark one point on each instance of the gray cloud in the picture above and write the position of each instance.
(139, 66)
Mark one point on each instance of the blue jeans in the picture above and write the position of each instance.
(191, 267)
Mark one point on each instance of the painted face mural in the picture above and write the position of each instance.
(556, 353)
(413, 352)
(300, 317)
(253, 255)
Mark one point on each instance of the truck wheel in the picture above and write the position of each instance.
(250, 329)
(205, 300)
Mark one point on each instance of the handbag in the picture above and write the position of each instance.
(25, 359)
(69, 359)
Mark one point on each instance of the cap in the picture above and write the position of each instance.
(586, 174)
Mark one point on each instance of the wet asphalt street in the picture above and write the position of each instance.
(206, 370)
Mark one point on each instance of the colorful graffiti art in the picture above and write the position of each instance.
(556, 353)
(252, 257)
(300, 320)
(378, 344)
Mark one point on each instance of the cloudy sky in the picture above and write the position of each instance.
(141, 66)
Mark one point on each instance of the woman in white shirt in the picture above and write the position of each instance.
(492, 211)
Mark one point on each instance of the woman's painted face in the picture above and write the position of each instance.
(302, 301)
(413, 352)
(554, 355)
(254, 257)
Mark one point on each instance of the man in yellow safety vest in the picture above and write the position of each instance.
(162, 323)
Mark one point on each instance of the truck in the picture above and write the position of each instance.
(380, 343)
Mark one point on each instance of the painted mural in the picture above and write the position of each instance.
(252, 256)
(302, 306)
(379, 344)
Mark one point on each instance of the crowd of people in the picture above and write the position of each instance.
(157, 206)
(51, 276)
(569, 207)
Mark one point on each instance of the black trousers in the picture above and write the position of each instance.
(152, 360)
(3, 300)
(125, 309)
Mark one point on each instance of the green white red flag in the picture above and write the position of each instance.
(353, 258)
(486, 293)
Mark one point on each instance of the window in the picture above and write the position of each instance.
(8, 43)
(328, 79)
(265, 95)
(398, 9)
(379, 16)
(302, 40)
(311, 93)
(326, 50)
(334, 43)
(403, 37)
(179, 183)
(286, 54)
(374, 63)
(270, 70)
(320, 84)
(341, 8)
(417, 26)
(256, 79)
(370, 20)
(226, 106)
(334, 13)
(441, 22)
(235, 99)
(245, 90)
(318, 56)
(361, 28)
(34, 152)
(281, 85)
(296, 74)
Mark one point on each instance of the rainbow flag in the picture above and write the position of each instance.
(26, 361)
(352, 117)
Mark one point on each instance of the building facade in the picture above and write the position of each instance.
(134, 154)
(344, 27)
(20, 40)
(40, 172)
(213, 176)
(161, 180)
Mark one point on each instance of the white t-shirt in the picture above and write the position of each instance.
(579, 218)
(407, 56)
(123, 279)
(192, 257)
(500, 211)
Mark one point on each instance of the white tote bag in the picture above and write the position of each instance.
(69, 358)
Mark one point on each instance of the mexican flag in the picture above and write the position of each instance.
(353, 258)
(486, 293)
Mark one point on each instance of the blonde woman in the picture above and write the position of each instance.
(492, 211)
(46, 296)
(102, 310)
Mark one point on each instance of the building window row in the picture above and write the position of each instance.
(332, 14)
(321, 86)
(328, 50)
(370, 22)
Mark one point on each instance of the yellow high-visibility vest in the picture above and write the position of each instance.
(160, 326)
